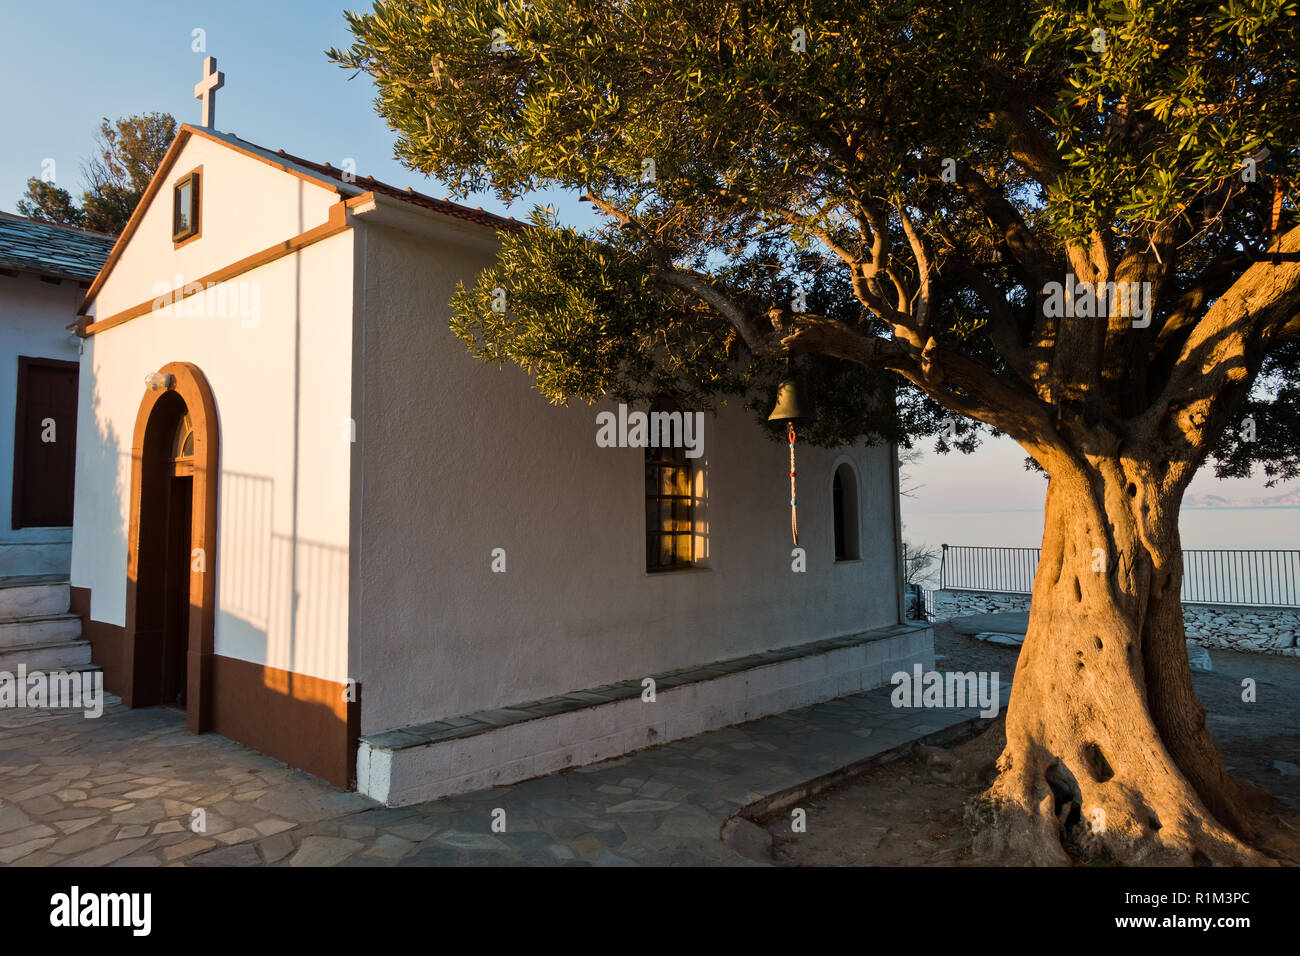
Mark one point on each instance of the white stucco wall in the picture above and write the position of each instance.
(282, 388)
(247, 206)
(33, 320)
(458, 457)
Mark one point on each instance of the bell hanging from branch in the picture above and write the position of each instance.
(787, 410)
(787, 403)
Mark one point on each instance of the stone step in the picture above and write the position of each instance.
(46, 656)
(44, 557)
(46, 629)
(33, 595)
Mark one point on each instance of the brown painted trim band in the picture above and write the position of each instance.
(106, 641)
(336, 223)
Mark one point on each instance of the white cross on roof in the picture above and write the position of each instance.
(206, 90)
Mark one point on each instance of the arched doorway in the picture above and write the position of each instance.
(171, 558)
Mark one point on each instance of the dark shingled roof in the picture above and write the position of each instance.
(444, 206)
(43, 248)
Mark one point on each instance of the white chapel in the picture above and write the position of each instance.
(306, 516)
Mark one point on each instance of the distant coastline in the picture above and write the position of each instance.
(1289, 499)
(1243, 507)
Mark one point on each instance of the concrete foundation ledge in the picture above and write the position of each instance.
(510, 744)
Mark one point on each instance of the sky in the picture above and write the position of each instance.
(994, 478)
(114, 59)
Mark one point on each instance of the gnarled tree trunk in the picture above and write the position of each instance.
(1107, 748)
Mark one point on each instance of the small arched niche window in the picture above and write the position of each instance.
(844, 505)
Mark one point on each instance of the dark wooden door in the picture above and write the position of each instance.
(45, 442)
(176, 591)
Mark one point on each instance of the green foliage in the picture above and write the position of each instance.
(49, 203)
(128, 153)
(585, 321)
(764, 156)
(588, 322)
(1166, 113)
(1267, 427)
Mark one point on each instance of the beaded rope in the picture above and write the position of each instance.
(1279, 193)
(794, 500)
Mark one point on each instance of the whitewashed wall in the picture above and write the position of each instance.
(459, 457)
(247, 206)
(33, 320)
(281, 381)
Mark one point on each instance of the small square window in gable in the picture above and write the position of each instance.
(186, 208)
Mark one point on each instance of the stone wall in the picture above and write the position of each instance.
(948, 604)
(1272, 630)
(1268, 630)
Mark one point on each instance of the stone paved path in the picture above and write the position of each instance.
(122, 790)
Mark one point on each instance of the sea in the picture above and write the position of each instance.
(1216, 528)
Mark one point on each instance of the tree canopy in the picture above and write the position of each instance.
(47, 202)
(1072, 222)
(127, 153)
(922, 170)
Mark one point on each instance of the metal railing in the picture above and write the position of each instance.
(918, 603)
(970, 568)
(1242, 577)
(1266, 578)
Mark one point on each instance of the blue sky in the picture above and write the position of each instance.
(113, 59)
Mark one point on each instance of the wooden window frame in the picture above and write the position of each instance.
(194, 178)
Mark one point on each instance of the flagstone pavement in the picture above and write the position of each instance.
(123, 789)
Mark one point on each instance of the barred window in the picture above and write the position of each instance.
(669, 508)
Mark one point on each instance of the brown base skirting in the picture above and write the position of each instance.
(106, 642)
(301, 720)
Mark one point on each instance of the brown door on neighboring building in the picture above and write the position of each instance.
(45, 442)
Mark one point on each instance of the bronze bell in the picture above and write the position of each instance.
(787, 403)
